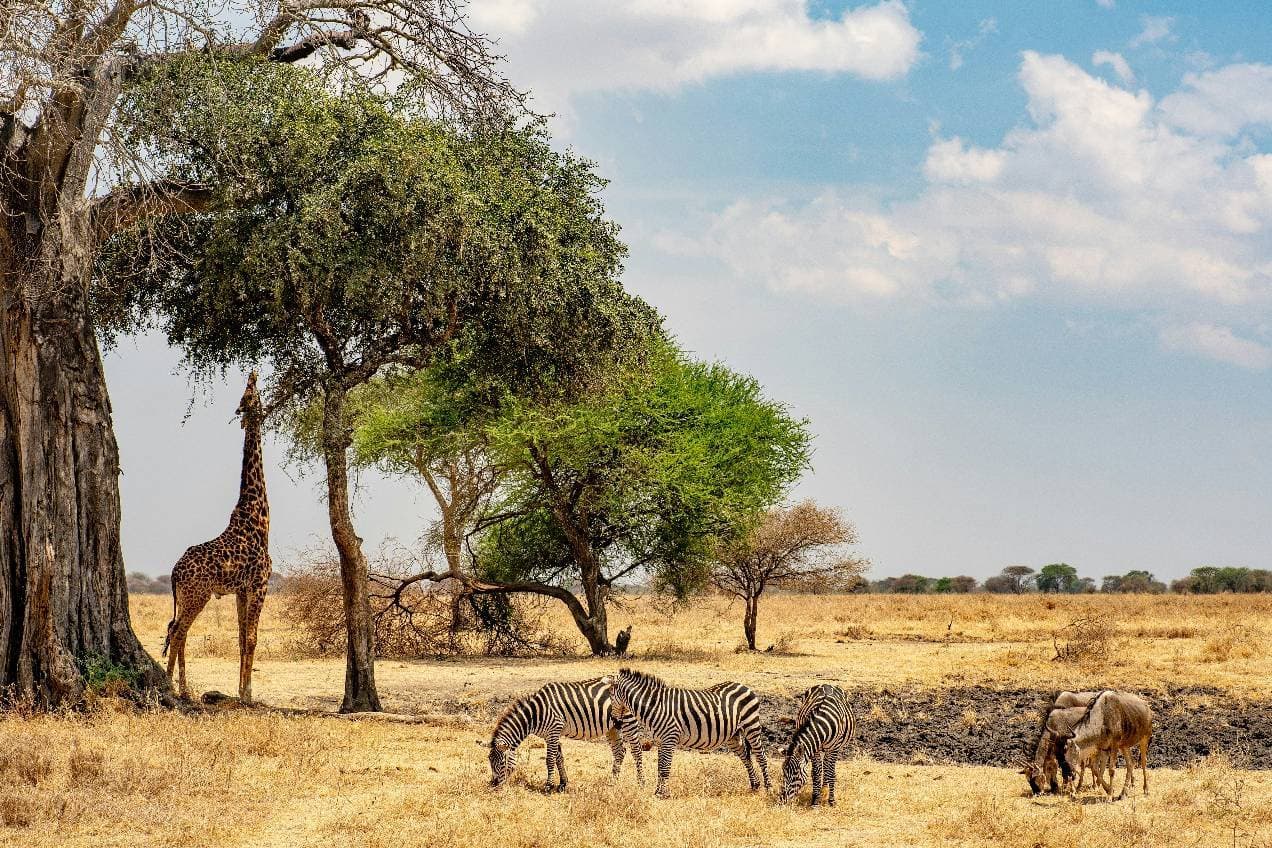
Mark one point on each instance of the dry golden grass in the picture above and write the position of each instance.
(117, 777)
(870, 640)
(249, 779)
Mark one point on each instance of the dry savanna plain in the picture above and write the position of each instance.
(946, 690)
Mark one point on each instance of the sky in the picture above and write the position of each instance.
(1013, 261)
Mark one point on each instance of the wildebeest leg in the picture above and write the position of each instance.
(1144, 761)
(1130, 772)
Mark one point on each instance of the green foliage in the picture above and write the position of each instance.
(650, 472)
(105, 677)
(1209, 579)
(1057, 577)
(345, 236)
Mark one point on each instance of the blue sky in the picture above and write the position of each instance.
(1012, 260)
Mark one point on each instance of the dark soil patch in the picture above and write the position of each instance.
(981, 726)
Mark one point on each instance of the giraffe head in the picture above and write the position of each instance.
(249, 408)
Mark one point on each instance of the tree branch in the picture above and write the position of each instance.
(126, 205)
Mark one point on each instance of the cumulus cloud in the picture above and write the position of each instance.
(1223, 101)
(563, 47)
(1219, 344)
(1104, 197)
(1116, 62)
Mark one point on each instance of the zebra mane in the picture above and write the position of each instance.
(641, 677)
(507, 713)
(800, 733)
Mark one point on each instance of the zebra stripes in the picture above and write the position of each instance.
(824, 725)
(582, 710)
(724, 715)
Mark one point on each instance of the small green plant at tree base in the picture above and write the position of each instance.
(103, 677)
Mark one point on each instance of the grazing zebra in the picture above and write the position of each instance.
(724, 715)
(582, 710)
(824, 724)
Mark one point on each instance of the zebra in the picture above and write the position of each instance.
(582, 710)
(824, 725)
(724, 715)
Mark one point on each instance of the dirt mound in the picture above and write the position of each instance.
(982, 726)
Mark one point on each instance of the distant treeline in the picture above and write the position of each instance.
(1061, 578)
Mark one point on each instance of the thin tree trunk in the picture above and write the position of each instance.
(360, 692)
(749, 619)
(63, 595)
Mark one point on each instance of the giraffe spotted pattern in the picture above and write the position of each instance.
(236, 562)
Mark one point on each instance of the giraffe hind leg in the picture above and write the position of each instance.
(190, 603)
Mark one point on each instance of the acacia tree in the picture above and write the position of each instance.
(356, 239)
(791, 547)
(67, 183)
(1057, 577)
(640, 478)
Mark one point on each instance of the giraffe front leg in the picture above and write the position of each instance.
(252, 606)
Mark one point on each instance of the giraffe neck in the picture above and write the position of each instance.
(252, 508)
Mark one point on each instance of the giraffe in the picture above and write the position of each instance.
(236, 561)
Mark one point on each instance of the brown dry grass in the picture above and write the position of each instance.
(248, 779)
(118, 777)
(872, 640)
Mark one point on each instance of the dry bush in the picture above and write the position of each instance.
(1089, 639)
(410, 620)
(1237, 641)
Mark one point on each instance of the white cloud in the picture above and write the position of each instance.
(1222, 102)
(1116, 62)
(1153, 29)
(1106, 4)
(950, 161)
(1218, 343)
(563, 47)
(1100, 199)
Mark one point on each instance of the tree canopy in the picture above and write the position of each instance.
(349, 237)
(639, 478)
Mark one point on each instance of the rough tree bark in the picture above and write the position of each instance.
(63, 594)
(360, 693)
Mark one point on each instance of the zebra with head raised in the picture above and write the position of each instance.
(824, 725)
(724, 715)
(582, 710)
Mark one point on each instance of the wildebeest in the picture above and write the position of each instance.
(1043, 770)
(1115, 721)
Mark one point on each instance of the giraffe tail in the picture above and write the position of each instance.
(172, 625)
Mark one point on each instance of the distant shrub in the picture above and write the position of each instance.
(1089, 639)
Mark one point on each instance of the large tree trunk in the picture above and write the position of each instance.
(63, 596)
(360, 692)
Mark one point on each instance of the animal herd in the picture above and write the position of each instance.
(635, 711)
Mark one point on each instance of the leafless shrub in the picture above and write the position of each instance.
(1089, 639)
(410, 619)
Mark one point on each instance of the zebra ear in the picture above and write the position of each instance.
(608, 680)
